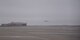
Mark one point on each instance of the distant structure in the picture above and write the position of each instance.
(14, 24)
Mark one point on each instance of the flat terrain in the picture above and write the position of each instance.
(39, 33)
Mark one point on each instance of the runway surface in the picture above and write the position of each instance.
(39, 33)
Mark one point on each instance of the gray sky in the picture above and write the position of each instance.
(34, 12)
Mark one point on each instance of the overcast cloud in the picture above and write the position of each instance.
(34, 12)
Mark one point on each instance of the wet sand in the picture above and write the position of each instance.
(39, 33)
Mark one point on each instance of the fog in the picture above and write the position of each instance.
(36, 12)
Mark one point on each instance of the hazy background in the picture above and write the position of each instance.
(35, 12)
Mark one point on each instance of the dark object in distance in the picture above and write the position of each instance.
(45, 20)
(14, 24)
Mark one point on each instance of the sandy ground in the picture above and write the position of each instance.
(39, 33)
